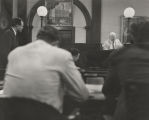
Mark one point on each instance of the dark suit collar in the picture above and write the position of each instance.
(13, 30)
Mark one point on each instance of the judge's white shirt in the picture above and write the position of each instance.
(109, 45)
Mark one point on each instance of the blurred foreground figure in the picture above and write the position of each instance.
(44, 72)
(112, 42)
(128, 80)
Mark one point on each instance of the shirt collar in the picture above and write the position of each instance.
(14, 31)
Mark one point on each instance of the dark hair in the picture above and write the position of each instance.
(16, 21)
(48, 34)
(140, 31)
(74, 51)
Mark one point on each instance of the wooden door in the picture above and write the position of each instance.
(67, 35)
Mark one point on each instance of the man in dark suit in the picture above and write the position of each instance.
(8, 42)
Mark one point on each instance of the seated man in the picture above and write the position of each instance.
(42, 71)
(112, 42)
(75, 54)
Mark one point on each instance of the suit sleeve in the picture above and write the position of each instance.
(5, 48)
(74, 83)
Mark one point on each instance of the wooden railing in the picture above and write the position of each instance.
(95, 75)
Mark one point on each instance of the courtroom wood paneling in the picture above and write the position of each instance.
(22, 13)
(96, 21)
(67, 35)
(91, 55)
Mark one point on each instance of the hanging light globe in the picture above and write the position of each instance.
(42, 11)
(129, 12)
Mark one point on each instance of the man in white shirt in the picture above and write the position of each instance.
(42, 71)
(112, 42)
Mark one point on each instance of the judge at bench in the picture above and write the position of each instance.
(112, 42)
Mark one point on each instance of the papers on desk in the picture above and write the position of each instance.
(95, 91)
(1, 92)
(94, 88)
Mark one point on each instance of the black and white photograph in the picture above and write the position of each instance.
(74, 59)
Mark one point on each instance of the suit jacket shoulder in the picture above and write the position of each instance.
(9, 33)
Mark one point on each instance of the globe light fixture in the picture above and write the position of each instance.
(42, 12)
(129, 12)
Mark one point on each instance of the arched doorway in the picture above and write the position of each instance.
(77, 3)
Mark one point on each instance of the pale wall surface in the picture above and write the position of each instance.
(79, 23)
(36, 26)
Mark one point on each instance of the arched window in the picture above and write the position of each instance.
(80, 30)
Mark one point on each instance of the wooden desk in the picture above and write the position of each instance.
(93, 108)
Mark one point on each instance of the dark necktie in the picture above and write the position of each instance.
(113, 45)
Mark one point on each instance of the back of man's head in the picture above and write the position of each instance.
(140, 31)
(75, 54)
(48, 34)
(16, 21)
(74, 51)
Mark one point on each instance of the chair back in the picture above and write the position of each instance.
(26, 109)
(137, 100)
